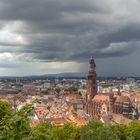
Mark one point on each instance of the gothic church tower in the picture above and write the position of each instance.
(91, 86)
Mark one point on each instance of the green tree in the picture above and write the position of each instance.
(14, 125)
(41, 132)
(57, 133)
(73, 89)
(132, 131)
(57, 90)
(91, 130)
(67, 132)
(5, 109)
(107, 133)
(120, 131)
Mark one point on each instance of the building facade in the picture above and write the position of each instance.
(97, 104)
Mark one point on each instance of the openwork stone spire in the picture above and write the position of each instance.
(91, 85)
(91, 68)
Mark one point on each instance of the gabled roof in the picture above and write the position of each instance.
(41, 112)
(123, 99)
(101, 98)
(73, 95)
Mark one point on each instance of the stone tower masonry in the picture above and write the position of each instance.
(91, 86)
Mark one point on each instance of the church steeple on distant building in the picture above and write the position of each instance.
(91, 85)
(98, 104)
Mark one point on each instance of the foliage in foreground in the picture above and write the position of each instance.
(15, 126)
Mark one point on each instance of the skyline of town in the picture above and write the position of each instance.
(76, 101)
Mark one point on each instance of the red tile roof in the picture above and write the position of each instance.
(101, 98)
(122, 99)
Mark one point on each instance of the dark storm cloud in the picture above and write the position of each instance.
(65, 30)
(35, 10)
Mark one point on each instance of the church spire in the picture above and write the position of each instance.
(91, 68)
(91, 85)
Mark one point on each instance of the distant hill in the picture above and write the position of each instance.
(66, 75)
(60, 76)
(46, 76)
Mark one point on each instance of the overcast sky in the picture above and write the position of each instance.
(55, 36)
